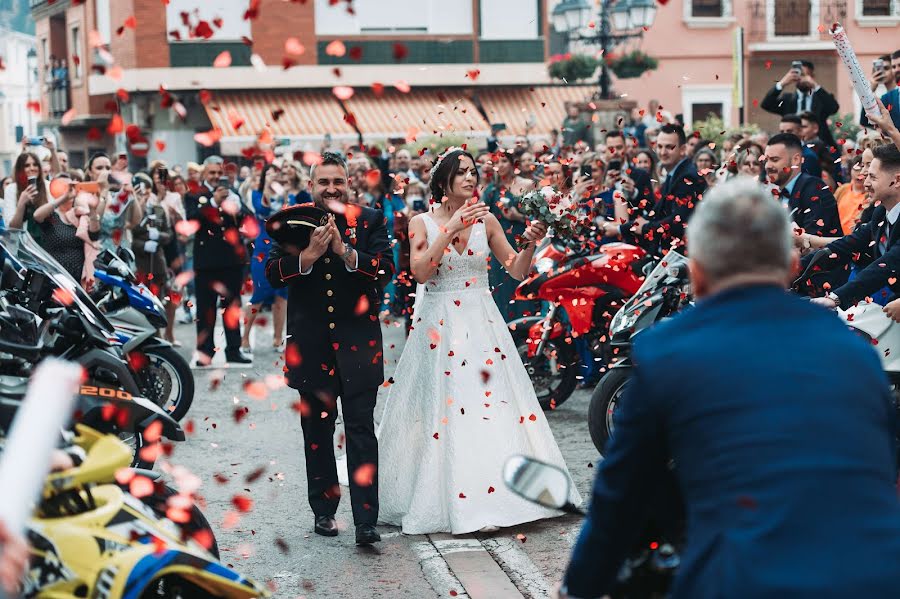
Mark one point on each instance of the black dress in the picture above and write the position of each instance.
(58, 238)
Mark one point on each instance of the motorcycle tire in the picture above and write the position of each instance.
(136, 441)
(604, 402)
(198, 522)
(552, 397)
(146, 378)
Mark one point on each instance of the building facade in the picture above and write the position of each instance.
(19, 91)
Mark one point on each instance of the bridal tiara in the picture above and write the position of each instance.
(440, 159)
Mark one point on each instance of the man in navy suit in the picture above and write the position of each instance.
(807, 198)
(779, 422)
(680, 192)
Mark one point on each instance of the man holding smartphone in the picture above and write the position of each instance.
(219, 259)
(885, 71)
(808, 96)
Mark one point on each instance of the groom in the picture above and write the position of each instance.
(334, 349)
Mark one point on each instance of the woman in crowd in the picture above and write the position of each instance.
(149, 239)
(705, 161)
(390, 204)
(165, 195)
(266, 201)
(502, 195)
(851, 197)
(120, 214)
(748, 157)
(293, 182)
(59, 229)
(24, 195)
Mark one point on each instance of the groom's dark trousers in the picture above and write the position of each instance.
(335, 349)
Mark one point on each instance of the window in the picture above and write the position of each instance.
(876, 8)
(703, 110)
(408, 17)
(792, 17)
(227, 13)
(706, 8)
(103, 21)
(75, 48)
(509, 20)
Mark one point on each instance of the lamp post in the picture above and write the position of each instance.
(618, 21)
(32, 69)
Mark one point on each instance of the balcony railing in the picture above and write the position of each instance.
(56, 83)
(792, 20)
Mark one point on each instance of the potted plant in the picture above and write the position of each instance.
(631, 65)
(571, 68)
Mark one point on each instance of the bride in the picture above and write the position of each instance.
(461, 402)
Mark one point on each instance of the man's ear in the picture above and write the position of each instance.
(794, 270)
(699, 280)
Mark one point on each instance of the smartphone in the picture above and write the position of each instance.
(224, 182)
(878, 64)
(587, 171)
(34, 141)
(87, 186)
(32, 180)
(419, 205)
(797, 66)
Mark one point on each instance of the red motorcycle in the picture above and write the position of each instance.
(585, 288)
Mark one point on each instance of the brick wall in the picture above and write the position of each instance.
(147, 45)
(280, 20)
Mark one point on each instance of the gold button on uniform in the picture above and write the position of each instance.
(328, 276)
(330, 325)
(331, 308)
(329, 293)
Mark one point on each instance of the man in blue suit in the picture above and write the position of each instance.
(779, 422)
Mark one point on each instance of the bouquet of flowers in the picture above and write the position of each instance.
(555, 209)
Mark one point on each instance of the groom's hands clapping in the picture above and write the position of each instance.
(468, 215)
(318, 244)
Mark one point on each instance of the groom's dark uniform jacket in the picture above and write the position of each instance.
(334, 340)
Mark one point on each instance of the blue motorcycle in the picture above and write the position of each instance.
(162, 374)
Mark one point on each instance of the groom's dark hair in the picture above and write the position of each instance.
(443, 173)
(332, 158)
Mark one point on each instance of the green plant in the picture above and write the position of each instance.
(571, 68)
(845, 126)
(713, 128)
(631, 65)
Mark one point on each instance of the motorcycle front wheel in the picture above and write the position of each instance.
(165, 378)
(604, 403)
(552, 373)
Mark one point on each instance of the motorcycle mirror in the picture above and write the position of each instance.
(536, 481)
(126, 255)
(648, 268)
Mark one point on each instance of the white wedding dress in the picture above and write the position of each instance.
(460, 404)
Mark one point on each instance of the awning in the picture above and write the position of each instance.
(535, 109)
(419, 113)
(306, 116)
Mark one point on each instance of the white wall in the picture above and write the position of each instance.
(14, 89)
(426, 17)
(104, 27)
(509, 19)
(234, 26)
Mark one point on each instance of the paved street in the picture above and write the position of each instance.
(247, 442)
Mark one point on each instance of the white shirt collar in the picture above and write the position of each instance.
(893, 214)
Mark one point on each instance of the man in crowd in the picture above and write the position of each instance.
(889, 76)
(789, 487)
(219, 259)
(679, 194)
(808, 96)
(791, 123)
(575, 128)
(403, 165)
(872, 246)
(807, 198)
(615, 146)
(810, 135)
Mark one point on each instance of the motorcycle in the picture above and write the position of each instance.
(162, 374)
(653, 561)
(90, 538)
(582, 289)
(665, 291)
(43, 311)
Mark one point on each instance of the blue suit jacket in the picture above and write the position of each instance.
(891, 100)
(781, 426)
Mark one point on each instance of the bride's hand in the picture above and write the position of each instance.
(467, 216)
(535, 231)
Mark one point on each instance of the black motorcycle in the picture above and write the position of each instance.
(665, 292)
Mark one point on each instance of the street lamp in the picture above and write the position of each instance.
(31, 60)
(619, 20)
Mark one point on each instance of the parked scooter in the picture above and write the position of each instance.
(162, 374)
(665, 291)
(584, 290)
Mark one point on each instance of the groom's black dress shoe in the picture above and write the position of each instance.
(366, 534)
(327, 526)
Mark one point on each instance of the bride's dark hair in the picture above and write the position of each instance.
(444, 171)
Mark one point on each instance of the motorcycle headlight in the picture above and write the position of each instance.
(622, 321)
(544, 265)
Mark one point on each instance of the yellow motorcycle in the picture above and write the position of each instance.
(91, 538)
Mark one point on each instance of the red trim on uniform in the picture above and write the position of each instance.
(283, 278)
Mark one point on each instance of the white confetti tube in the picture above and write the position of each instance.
(34, 434)
(857, 75)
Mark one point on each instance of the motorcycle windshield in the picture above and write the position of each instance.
(25, 251)
(659, 274)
